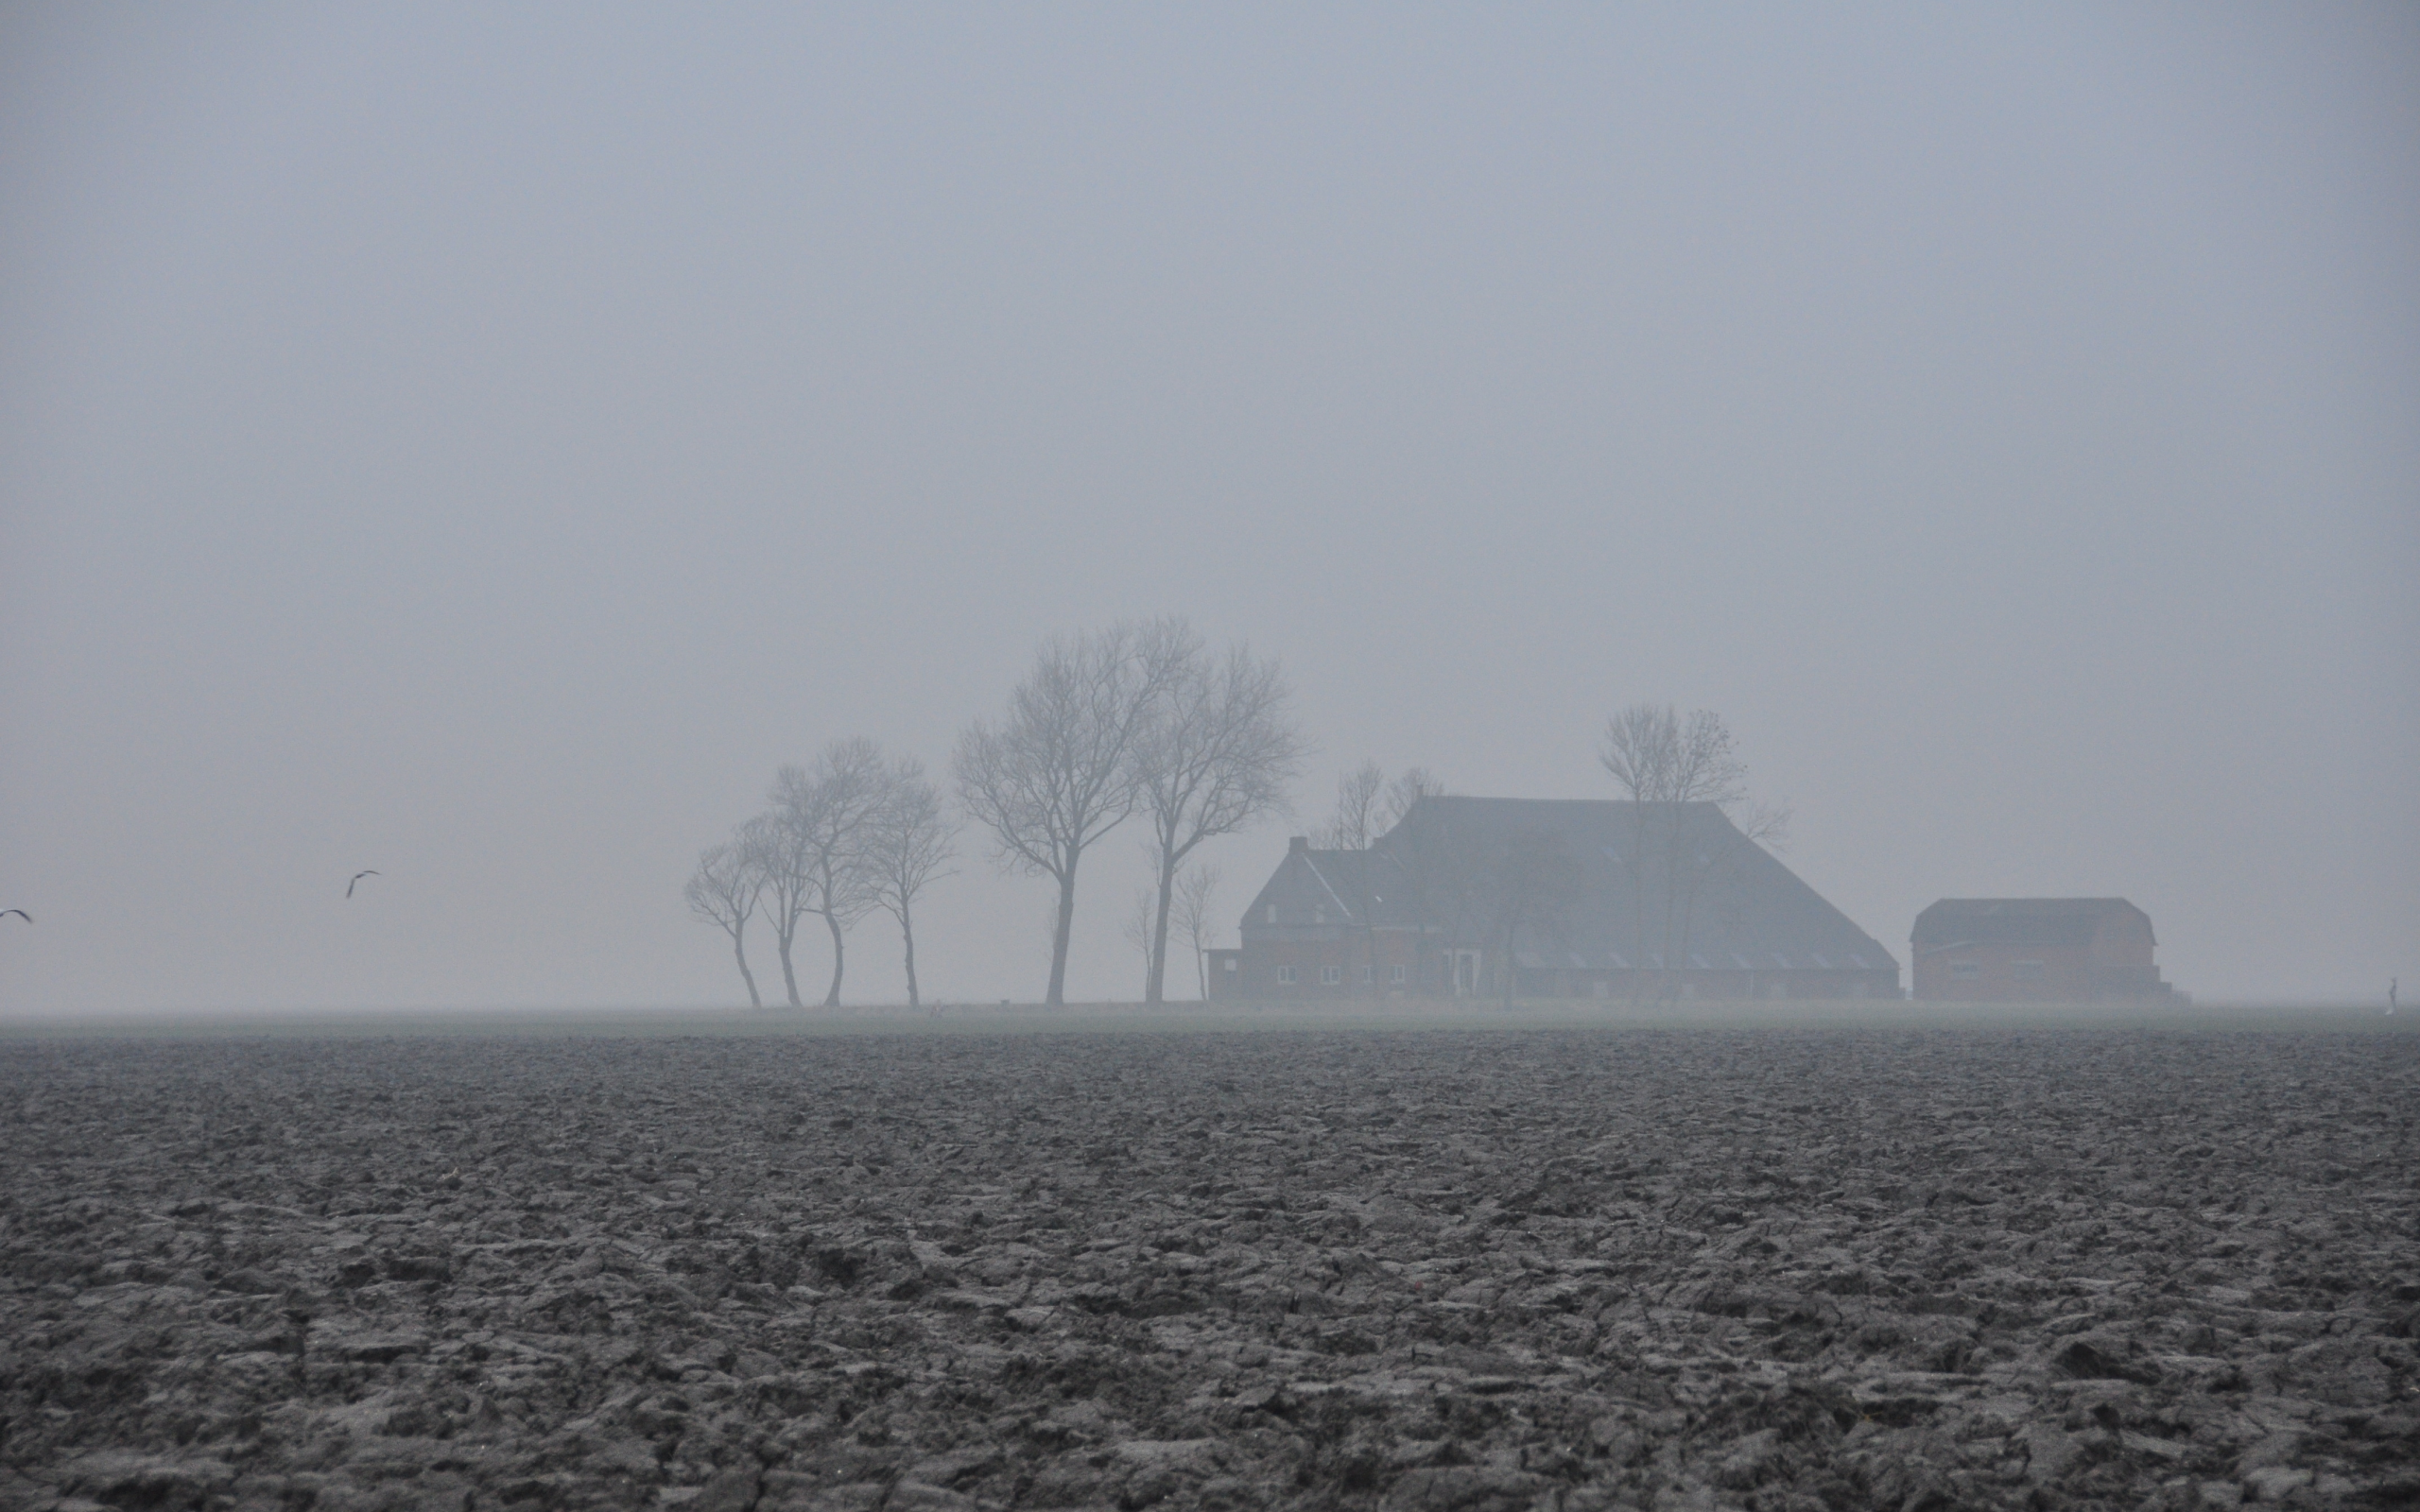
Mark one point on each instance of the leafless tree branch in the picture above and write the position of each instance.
(1215, 754)
(725, 891)
(908, 839)
(1055, 774)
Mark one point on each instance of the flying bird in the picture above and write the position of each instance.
(19, 912)
(356, 881)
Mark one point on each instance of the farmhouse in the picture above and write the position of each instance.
(1478, 897)
(2034, 950)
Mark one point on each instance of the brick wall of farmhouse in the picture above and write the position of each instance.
(2122, 952)
(2006, 973)
(1266, 957)
(1261, 964)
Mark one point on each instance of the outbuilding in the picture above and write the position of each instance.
(2034, 950)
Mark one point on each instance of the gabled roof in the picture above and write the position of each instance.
(1631, 883)
(2018, 920)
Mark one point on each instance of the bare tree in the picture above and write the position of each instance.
(1137, 930)
(1415, 784)
(1530, 885)
(1664, 763)
(1194, 891)
(825, 811)
(724, 892)
(780, 856)
(1443, 872)
(1055, 774)
(1369, 806)
(1358, 795)
(908, 839)
(1215, 756)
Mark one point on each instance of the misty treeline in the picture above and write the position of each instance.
(1142, 720)
(1145, 721)
(854, 830)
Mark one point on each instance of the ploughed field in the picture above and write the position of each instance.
(1778, 1268)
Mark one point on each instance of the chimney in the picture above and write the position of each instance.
(1300, 842)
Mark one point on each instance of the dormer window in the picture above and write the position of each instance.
(1273, 913)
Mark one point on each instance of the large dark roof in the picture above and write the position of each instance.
(1732, 906)
(2017, 920)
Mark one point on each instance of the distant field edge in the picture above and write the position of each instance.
(1191, 1018)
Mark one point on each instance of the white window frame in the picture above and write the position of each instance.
(1285, 976)
(1331, 976)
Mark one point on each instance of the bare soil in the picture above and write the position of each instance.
(1783, 1268)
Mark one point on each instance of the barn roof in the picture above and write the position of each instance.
(2017, 920)
(1732, 906)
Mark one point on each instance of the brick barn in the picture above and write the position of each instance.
(2034, 950)
(1475, 897)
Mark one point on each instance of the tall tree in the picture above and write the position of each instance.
(1368, 806)
(1355, 823)
(1194, 892)
(827, 810)
(910, 838)
(1137, 930)
(780, 854)
(1531, 885)
(1215, 755)
(1444, 873)
(1055, 774)
(724, 892)
(1416, 784)
(1664, 763)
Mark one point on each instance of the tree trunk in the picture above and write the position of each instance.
(746, 975)
(782, 939)
(1058, 996)
(832, 999)
(1155, 982)
(907, 935)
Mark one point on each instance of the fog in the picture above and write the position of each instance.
(483, 446)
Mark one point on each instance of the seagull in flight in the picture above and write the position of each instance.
(356, 881)
(19, 912)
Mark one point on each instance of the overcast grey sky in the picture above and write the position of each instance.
(482, 443)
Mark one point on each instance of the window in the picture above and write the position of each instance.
(1369, 974)
(1285, 976)
(1230, 963)
(1397, 978)
(1331, 975)
(1964, 971)
(1273, 913)
(2026, 971)
(1318, 916)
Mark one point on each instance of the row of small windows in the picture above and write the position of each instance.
(1969, 971)
(1655, 960)
(1334, 975)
